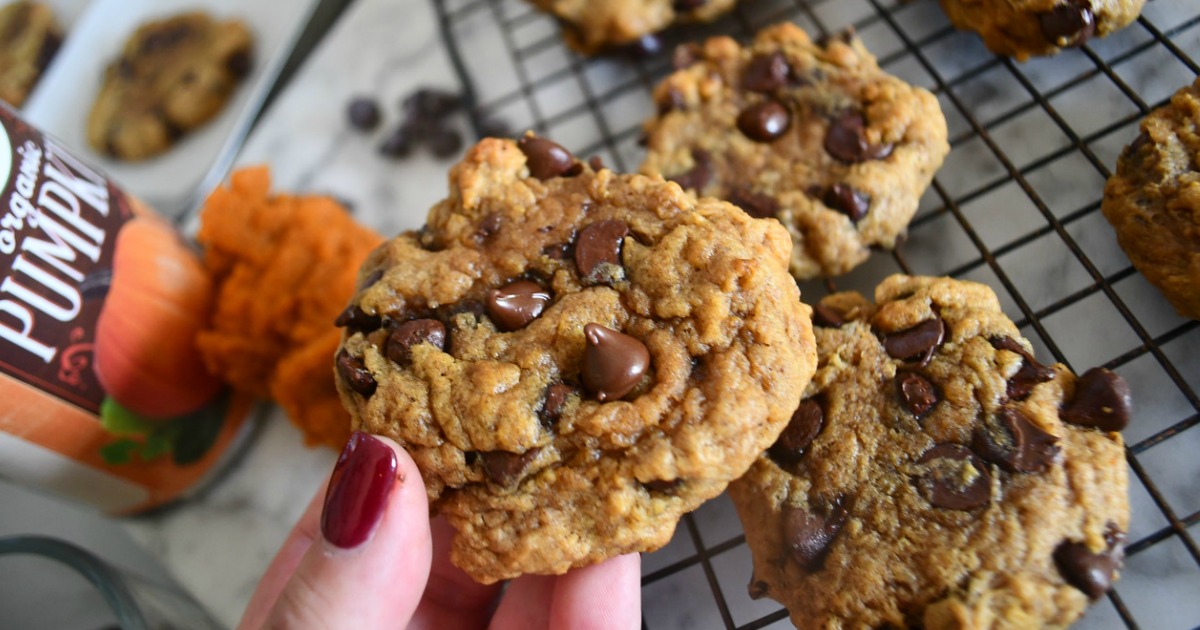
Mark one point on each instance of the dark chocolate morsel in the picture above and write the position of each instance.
(697, 177)
(1090, 572)
(766, 73)
(846, 139)
(922, 339)
(1069, 24)
(1101, 400)
(598, 251)
(827, 317)
(916, 392)
(411, 333)
(810, 535)
(613, 362)
(757, 205)
(553, 403)
(765, 121)
(506, 468)
(805, 425)
(355, 374)
(956, 479)
(1012, 441)
(513, 306)
(545, 159)
(357, 320)
(848, 201)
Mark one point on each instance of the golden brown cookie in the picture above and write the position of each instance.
(1021, 28)
(590, 26)
(1153, 200)
(29, 37)
(936, 475)
(173, 75)
(814, 135)
(574, 358)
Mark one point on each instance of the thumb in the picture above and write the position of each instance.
(369, 566)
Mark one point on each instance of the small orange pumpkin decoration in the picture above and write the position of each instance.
(146, 356)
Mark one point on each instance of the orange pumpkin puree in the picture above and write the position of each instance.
(283, 268)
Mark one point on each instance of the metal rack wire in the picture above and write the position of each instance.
(1015, 207)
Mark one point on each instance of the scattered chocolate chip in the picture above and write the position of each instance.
(431, 103)
(1089, 572)
(699, 175)
(765, 121)
(411, 333)
(917, 392)
(766, 73)
(513, 306)
(552, 405)
(505, 468)
(685, 55)
(546, 159)
(672, 100)
(489, 226)
(613, 362)
(1029, 375)
(596, 163)
(557, 251)
(827, 317)
(598, 251)
(398, 143)
(802, 429)
(757, 589)
(357, 320)
(956, 480)
(1101, 400)
(923, 339)
(663, 486)
(847, 141)
(1012, 441)
(1069, 24)
(445, 142)
(848, 201)
(355, 374)
(757, 205)
(645, 47)
(810, 535)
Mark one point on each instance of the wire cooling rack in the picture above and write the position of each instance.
(1016, 206)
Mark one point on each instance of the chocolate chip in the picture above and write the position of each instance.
(445, 142)
(1101, 400)
(956, 478)
(844, 36)
(663, 486)
(513, 306)
(364, 113)
(765, 121)
(1069, 24)
(1012, 441)
(917, 392)
(645, 47)
(1089, 572)
(847, 141)
(922, 339)
(688, 5)
(355, 374)
(699, 175)
(848, 201)
(757, 205)
(357, 320)
(546, 159)
(596, 163)
(613, 362)
(598, 251)
(398, 143)
(411, 333)
(1029, 375)
(431, 103)
(685, 55)
(489, 226)
(827, 317)
(802, 429)
(505, 468)
(671, 101)
(371, 279)
(766, 73)
(557, 251)
(552, 405)
(810, 535)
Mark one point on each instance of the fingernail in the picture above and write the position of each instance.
(358, 491)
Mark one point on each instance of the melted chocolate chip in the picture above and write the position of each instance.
(921, 340)
(546, 159)
(355, 374)
(1089, 572)
(699, 175)
(1029, 375)
(765, 121)
(805, 425)
(1012, 441)
(809, 535)
(357, 320)
(766, 73)
(757, 205)
(1101, 400)
(956, 479)
(848, 201)
(827, 317)
(663, 486)
(504, 468)
(917, 393)
(552, 406)
(412, 333)
(847, 141)
(513, 306)
(489, 226)
(1069, 24)
(598, 251)
(613, 362)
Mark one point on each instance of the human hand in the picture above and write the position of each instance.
(365, 555)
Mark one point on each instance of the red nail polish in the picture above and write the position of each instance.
(358, 491)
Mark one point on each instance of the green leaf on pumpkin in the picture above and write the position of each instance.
(120, 421)
(119, 452)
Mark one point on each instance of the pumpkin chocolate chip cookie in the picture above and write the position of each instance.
(173, 75)
(1153, 200)
(591, 26)
(814, 135)
(574, 358)
(936, 475)
(1022, 28)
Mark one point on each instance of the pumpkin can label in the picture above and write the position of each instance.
(103, 396)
